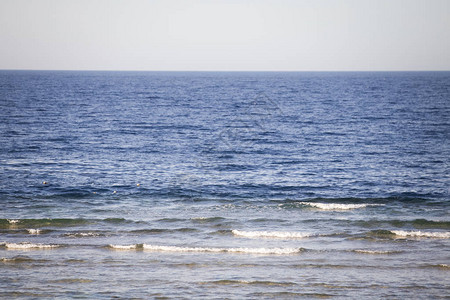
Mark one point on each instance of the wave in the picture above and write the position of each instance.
(246, 282)
(27, 246)
(291, 295)
(438, 266)
(171, 220)
(380, 233)
(390, 234)
(73, 193)
(424, 223)
(417, 223)
(336, 206)
(125, 247)
(26, 231)
(72, 280)
(26, 223)
(342, 203)
(22, 259)
(162, 230)
(271, 234)
(82, 234)
(364, 251)
(439, 235)
(443, 266)
(57, 222)
(202, 220)
(224, 250)
(159, 248)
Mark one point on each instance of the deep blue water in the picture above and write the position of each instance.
(217, 184)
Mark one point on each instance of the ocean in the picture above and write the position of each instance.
(224, 185)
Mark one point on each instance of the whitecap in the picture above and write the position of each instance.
(123, 247)
(337, 206)
(271, 234)
(25, 246)
(81, 234)
(13, 221)
(439, 235)
(222, 250)
(34, 231)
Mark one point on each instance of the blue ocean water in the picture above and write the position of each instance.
(224, 184)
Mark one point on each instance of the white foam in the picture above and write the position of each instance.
(337, 206)
(81, 234)
(34, 231)
(13, 221)
(439, 235)
(222, 250)
(25, 246)
(123, 247)
(271, 234)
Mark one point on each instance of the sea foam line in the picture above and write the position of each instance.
(26, 246)
(271, 234)
(336, 206)
(439, 235)
(159, 248)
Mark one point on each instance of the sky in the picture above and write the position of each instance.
(225, 35)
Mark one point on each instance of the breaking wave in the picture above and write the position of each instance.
(57, 222)
(126, 247)
(26, 246)
(82, 234)
(427, 234)
(159, 248)
(336, 206)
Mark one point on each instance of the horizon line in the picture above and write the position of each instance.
(222, 71)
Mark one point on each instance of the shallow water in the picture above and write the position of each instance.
(224, 185)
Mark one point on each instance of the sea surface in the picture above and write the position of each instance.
(224, 185)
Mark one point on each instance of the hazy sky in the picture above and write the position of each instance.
(225, 34)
